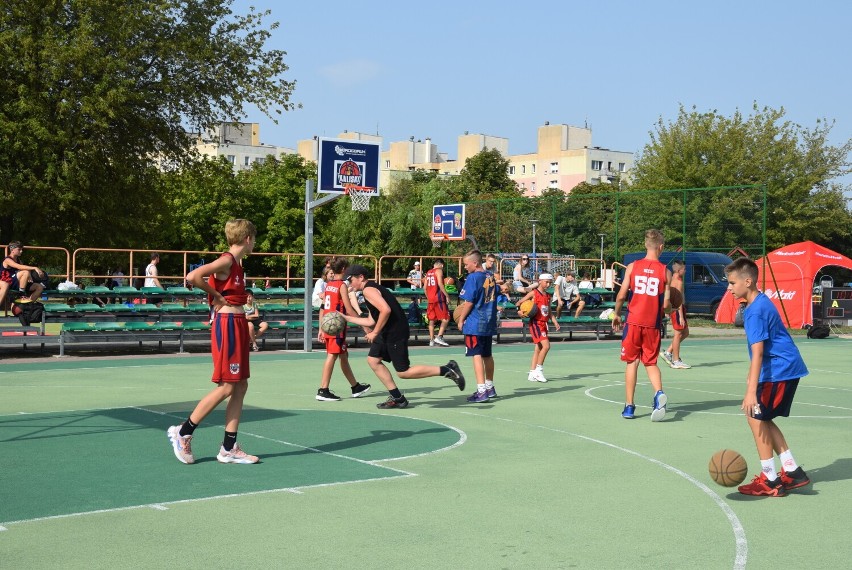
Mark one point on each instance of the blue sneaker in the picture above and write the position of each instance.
(659, 411)
(491, 392)
(628, 412)
(478, 397)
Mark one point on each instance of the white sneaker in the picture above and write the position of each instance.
(680, 364)
(181, 445)
(540, 376)
(236, 455)
(431, 343)
(439, 340)
(667, 356)
(531, 376)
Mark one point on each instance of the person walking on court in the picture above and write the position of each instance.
(386, 327)
(478, 323)
(336, 298)
(677, 317)
(773, 376)
(538, 326)
(646, 283)
(224, 282)
(437, 308)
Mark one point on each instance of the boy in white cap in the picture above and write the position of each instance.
(538, 326)
(415, 276)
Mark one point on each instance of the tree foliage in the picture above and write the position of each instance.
(798, 166)
(94, 94)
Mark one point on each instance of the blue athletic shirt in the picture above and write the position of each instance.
(480, 288)
(781, 358)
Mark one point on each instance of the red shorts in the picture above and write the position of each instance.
(230, 347)
(538, 331)
(335, 344)
(437, 312)
(641, 342)
(678, 319)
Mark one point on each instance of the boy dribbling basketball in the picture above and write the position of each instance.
(773, 376)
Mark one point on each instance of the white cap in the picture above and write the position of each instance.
(544, 276)
(416, 263)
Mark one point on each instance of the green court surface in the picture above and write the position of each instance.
(545, 476)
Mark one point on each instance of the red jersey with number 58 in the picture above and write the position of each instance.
(647, 290)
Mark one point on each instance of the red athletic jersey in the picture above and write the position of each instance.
(647, 288)
(542, 302)
(332, 300)
(433, 290)
(233, 288)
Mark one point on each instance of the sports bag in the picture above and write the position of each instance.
(819, 331)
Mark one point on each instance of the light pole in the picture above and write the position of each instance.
(535, 260)
(602, 258)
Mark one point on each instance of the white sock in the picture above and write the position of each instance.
(539, 367)
(768, 468)
(480, 388)
(787, 462)
(532, 371)
(489, 383)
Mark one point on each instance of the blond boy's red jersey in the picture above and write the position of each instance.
(647, 289)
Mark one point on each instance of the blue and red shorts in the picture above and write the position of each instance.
(775, 398)
(538, 331)
(476, 345)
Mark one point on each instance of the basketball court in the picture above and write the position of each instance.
(545, 476)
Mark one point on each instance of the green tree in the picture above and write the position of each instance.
(800, 169)
(95, 94)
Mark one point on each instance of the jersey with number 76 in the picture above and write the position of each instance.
(647, 291)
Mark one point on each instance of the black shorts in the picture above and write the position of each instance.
(393, 351)
(775, 398)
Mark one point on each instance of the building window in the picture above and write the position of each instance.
(622, 167)
(232, 159)
(533, 168)
(387, 164)
(511, 171)
(609, 166)
(597, 164)
(247, 161)
(532, 187)
(554, 184)
(523, 169)
(554, 167)
(260, 159)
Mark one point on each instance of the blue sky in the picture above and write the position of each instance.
(437, 69)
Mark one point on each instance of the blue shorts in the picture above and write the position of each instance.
(478, 345)
(775, 399)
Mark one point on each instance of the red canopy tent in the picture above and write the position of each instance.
(789, 279)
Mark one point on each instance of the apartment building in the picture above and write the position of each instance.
(564, 158)
(239, 143)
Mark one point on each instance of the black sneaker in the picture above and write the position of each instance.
(455, 374)
(794, 479)
(392, 403)
(326, 395)
(359, 390)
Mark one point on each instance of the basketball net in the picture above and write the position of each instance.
(360, 196)
(437, 239)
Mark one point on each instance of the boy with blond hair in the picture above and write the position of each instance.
(224, 282)
(646, 284)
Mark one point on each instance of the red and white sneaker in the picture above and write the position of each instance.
(182, 445)
(760, 486)
(236, 455)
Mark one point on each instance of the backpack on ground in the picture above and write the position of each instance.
(819, 331)
(28, 313)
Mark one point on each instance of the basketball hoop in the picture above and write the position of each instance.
(437, 239)
(360, 196)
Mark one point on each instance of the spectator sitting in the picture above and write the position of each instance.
(256, 325)
(19, 276)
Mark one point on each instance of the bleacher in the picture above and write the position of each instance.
(99, 316)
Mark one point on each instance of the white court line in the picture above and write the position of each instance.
(740, 540)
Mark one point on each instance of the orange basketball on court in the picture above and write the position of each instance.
(728, 468)
(449, 281)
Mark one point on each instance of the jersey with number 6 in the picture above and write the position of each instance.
(647, 290)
